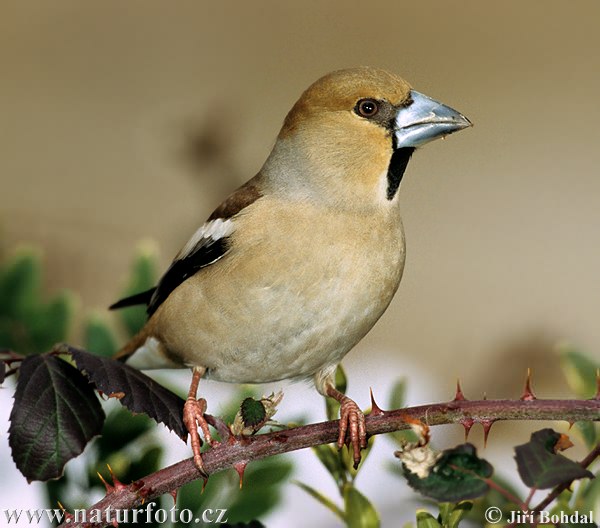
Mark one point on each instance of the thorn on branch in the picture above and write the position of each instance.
(117, 484)
(173, 494)
(68, 517)
(109, 488)
(375, 409)
(459, 396)
(528, 394)
(467, 423)
(487, 425)
(240, 467)
(597, 397)
(144, 493)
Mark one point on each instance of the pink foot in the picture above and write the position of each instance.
(352, 421)
(193, 417)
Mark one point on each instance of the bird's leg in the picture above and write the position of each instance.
(352, 421)
(193, 416)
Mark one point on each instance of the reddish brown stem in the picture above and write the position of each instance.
(506, 494)
(226, 455)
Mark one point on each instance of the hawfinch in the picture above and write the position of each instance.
(296, 266)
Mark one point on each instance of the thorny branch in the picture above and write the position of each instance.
(238, 451)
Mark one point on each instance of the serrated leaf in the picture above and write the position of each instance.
(56, 413)
(359, 512)
(99, 338)
(253, 412)
(143, 277)
(540, 467)
(323, 499)
(136, 391)
(426, 520)
(459, 474)
(580, 372)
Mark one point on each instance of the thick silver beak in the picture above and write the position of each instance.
(425, 120)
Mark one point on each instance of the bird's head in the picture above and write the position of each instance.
(349, 137)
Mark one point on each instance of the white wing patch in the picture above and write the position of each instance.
(151, 356)
(207, 232)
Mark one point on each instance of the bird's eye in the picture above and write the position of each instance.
(367, 107)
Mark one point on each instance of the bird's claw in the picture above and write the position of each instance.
(352, 421)
(193, 417)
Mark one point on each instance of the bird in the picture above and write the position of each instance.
(296, 266)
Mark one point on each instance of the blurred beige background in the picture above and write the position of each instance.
(126, 120)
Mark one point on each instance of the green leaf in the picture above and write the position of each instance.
(55, 414)
(540, 467)
(398, 395)
(99, 338)
(426, 520)
(143, 277)
(228, 410)
(590, 496)
(360, 513)
(341, 381)
(252, 411)
(459, 474)
(20, 284)
(330, 458)
(262, 490)
(50, 323)
(121, 429)
(346, 456)
(452, 514)
(580, 372)
(589, 433)
(323, 499)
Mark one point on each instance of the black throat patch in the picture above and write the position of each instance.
(398, 163)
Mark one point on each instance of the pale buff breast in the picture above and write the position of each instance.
(279, 306)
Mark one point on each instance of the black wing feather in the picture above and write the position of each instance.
(133, 300)
(206, 253)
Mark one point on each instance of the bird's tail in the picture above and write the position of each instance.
(132, 345)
